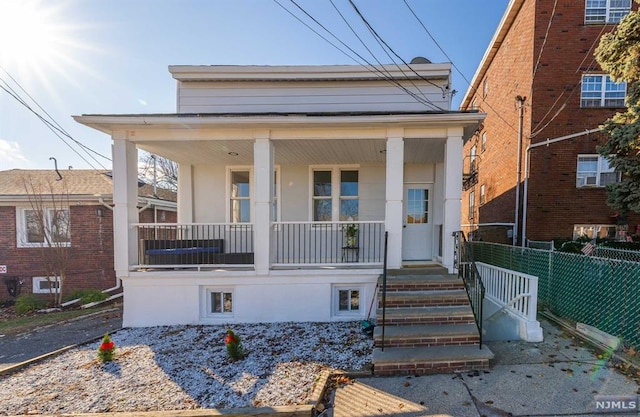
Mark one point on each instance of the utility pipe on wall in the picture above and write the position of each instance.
(526, 173)
(520, 101)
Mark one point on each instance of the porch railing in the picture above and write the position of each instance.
(321, 243)
(512, 290)
(468, 271)
(184, 244)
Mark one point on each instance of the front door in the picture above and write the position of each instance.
(417, 232)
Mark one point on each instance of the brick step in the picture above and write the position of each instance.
(427, 315)
(408, 299)
(422, 283)
(426, 270)
(427, 335)
(430, 360)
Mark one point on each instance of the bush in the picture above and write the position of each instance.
(28, 303)
(86, 296)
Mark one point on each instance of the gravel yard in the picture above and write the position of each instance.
(187, 367)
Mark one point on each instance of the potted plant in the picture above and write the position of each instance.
(351, 234)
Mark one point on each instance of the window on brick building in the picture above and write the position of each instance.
(601, 231)
(595, 171)
(485, 87)
(46, 285)
(482, 194)
(599, 91)
(473, 154)
(472, 204)
(483, 142)
(606, 11)
(47, 227)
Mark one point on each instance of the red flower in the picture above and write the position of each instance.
(230, 338)
(107, 346)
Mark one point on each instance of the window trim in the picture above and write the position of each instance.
(336, 197)
(21, 228)
(230, 169)
(35, 285)
(607, 16)
(599, 172)
(335, 302)
(209, 307)
(603, 92)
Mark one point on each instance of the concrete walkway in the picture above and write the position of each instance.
(559, 376)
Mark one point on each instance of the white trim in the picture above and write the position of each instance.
(36, 281)
(335, 300)
(608, 10)
(208, 307)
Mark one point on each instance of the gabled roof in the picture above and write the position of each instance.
(74, 182)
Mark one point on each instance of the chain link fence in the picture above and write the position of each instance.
(602, 292)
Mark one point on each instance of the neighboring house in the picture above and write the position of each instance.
(289, 177)
(541, 60)
(76, 209)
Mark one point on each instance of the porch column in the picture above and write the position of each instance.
(452, 193)
(125, 200)
(185, 193)
(263, 186)
(394, 189)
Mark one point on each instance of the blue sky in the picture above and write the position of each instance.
(111, 56)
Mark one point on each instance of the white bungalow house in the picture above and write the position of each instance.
(289, 177)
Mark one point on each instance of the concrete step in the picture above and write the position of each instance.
(427, 315)
(427, 335)
(426, 270)
(422, 283)
(430, 360)
(408, 299)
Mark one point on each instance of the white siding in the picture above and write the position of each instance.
(300, 96)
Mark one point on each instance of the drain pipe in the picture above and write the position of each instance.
(520, 100)
(527, 169)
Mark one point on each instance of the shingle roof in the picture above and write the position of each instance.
(74, 182)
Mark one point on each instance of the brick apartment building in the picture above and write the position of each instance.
(81, 203)
(539, 72)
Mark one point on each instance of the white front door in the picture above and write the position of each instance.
(417, 233)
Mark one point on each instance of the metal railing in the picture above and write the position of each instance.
(384, 289)
(193, 244)
(468, 271)
(321, 243)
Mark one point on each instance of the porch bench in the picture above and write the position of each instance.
(191, 252)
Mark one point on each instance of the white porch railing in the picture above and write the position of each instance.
(327, 243)
(513, 291)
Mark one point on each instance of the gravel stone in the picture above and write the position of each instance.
(187, 367)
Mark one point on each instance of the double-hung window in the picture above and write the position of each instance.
(595, 171)
(335, 194)
(472, 204)
(599, 91)
(606, 11)
(240, 194)
(44, 227)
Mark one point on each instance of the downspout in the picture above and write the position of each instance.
(526, 173)
(516, 216)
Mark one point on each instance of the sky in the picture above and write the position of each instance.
(73, 57)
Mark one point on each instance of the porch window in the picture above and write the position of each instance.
(46, 285)
(595, 171)
(240, 197)
(335, 195)
(598, 90)
(47, 227)
(220, 302)
(347, 300)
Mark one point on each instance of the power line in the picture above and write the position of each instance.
(370, 67)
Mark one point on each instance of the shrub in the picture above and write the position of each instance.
(28, 303)
(107, 349)
(234, 346)
(86, 296)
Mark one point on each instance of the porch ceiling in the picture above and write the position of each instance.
(307, 152)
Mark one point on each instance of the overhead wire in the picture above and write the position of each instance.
(370, 67)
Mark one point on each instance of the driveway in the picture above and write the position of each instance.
(25, 346)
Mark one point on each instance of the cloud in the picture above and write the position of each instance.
(11, 156)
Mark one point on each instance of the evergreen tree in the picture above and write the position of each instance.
(619, 55)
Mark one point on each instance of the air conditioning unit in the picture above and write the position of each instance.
(591, 180)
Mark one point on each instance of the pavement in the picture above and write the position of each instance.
(561, 376)
(15, 349)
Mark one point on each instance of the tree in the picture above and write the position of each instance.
(619, 55)
(161, 170)
(47, 227)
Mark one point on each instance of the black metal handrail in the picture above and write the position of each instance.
(384, 288)
(467, 270)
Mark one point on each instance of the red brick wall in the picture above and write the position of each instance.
(552, 110)
(91, 251)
